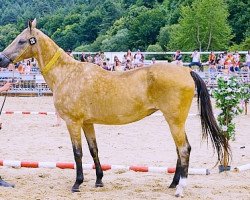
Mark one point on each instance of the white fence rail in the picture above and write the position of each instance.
(35, 85)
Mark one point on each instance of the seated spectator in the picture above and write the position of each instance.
(124, 59)
(177, 58)
(105, 66)
(229, 63)
(102, 56)
(97, 59)
(212, 58)
(83, 57)
(248, 59)
(196, 60)
(117, 64)
(138, 59)
(128, 65)
(220, 62)
(129, 55)
(90, 58)
(236, 59)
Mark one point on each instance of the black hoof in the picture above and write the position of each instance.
(74, 189)
(5, 184)
(99, 184)
(173, 185)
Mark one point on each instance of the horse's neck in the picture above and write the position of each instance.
(60, 67)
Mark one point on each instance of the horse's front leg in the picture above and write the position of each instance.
(89, 132)
(75, 135)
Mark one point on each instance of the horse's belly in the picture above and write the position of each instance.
(118, 119)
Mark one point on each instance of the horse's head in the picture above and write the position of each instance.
(22, 47)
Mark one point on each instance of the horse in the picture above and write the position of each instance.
(84, 94)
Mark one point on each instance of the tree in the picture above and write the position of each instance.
(118, 42)
(145, 27)
(7, 34)
(202, 26)
(89, 29)
(164, 36)
(239, 18)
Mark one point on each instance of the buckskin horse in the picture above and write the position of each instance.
(85, 94)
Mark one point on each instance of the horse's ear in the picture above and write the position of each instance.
(32, 24)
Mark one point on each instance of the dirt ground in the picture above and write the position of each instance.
(147, 142)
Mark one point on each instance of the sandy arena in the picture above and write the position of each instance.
(147, 142)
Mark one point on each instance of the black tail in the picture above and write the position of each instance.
(208, 121)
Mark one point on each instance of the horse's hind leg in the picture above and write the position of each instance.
(75, 135)
(89, 132)
(183, 152)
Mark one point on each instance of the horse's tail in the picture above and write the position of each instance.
(208, 121)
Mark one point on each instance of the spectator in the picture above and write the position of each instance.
(11, 67)
(27, 67)
(108, 63)
(153, 60)
(97, 59)
(212, 58)
(129, 55)
(236, 59)
(177, 58)
(102, 56)
(21, 67)
(124, 59)
(229, 63)
(196, 60)
(220, 62)
(117, 64)
(105, 66)
(33, 63)
(138, 59)
(248, 59)
(90, 58)
(128, 65)
(83, 57)
(69, 52)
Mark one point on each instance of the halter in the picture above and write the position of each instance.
(51, 63)
(48, 66)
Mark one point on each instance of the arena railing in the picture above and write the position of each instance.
(33, 84)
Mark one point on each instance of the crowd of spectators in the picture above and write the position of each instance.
(226, 62)
(24, 67)
(127, 62)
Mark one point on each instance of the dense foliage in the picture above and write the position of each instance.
(228, 95)
(118, 25)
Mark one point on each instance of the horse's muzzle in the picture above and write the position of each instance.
(4, 60)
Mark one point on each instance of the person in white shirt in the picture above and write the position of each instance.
(196, 60)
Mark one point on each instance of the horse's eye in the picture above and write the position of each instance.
(22, 41)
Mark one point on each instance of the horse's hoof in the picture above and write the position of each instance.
(172, 185)
(5, 184)
(100, 184)
(75, 190)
